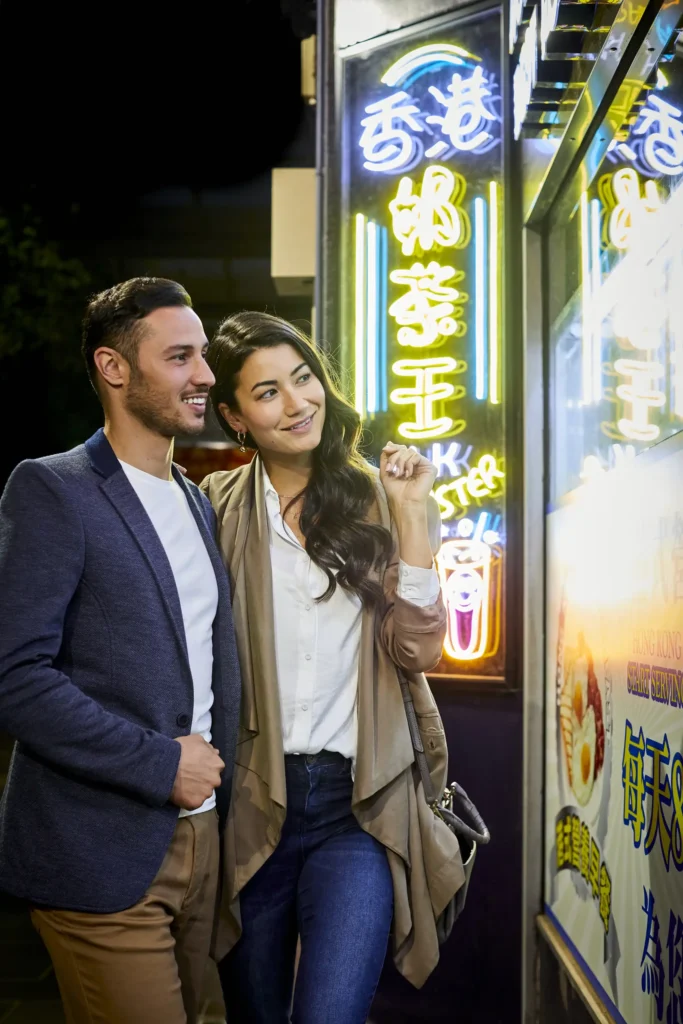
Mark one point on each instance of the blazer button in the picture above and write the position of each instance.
(183, 721)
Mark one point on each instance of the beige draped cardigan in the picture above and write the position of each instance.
(388, 802)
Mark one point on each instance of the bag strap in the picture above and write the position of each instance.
(478, 834)
(414, 729)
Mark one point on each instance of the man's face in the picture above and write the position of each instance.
(168, 388)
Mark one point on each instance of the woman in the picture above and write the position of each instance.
(329, 837)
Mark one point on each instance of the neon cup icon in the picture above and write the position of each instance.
(465, 571)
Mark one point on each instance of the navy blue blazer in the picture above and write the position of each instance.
(95, 681)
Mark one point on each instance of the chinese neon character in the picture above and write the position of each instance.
(576, 842)
(652, 976)
(663, 148)
(641, 396)
(661, 794)
(385, 145)
(428, 309)
(426, 393)
(628, 215)
(633, 782)
(432, 216)
(585, 851)
(605, 896)
(674, 945)
(467, 116)
(594, 876)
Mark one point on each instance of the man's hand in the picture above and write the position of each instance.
(199, 772)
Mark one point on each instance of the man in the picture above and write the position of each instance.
(119, 678)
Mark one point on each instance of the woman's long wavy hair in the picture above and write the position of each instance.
(338, 498)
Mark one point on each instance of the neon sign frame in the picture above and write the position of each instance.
(424, 294)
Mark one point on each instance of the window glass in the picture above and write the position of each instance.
(616, 298)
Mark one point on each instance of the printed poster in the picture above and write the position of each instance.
(614, 733)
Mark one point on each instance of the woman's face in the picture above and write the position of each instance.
(279, 401)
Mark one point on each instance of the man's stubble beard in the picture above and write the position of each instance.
(151, 408)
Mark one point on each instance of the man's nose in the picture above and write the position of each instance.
(203, 377)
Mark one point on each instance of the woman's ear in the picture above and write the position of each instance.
(231, 419)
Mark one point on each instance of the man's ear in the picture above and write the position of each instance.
(112, 367)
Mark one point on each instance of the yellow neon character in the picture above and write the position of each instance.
(464, 567)
(641, 396)
(426, 393)
(428, 309)
(480, 482)
(631, 207)
(432, 216)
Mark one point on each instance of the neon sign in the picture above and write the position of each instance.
(467, 122)
(433, 216)
(655, 145)
(468, 569)
(481, 482)
(426, 393)
(663, 145)
(631, 206)
(639, 313)
(424, 313)
(641, 396)
(386, 146)
(427, 311)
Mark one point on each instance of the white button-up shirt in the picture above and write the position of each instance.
(317, 643)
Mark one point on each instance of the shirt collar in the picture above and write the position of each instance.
(271, 496)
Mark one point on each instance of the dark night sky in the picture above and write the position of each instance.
(105, 105)
(141, 95)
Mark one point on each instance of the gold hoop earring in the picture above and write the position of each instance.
(241, 438)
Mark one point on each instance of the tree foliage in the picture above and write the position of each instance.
(42, 292)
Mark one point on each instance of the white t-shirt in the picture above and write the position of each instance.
(166, 505)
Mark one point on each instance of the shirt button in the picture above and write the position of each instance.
(308, 657)
(304, 707)
(307, 607)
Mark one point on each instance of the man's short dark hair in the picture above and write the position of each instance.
(113, 318)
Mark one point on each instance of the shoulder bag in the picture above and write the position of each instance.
(454, 808)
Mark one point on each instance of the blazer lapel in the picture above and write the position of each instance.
(126, 502)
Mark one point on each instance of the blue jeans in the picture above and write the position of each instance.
(327, 882)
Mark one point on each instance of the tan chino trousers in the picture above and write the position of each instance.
(146, 964)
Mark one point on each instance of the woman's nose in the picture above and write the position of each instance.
(294, 404)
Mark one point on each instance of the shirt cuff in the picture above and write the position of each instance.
(418, 586)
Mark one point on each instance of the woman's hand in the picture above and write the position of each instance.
(407, 476)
